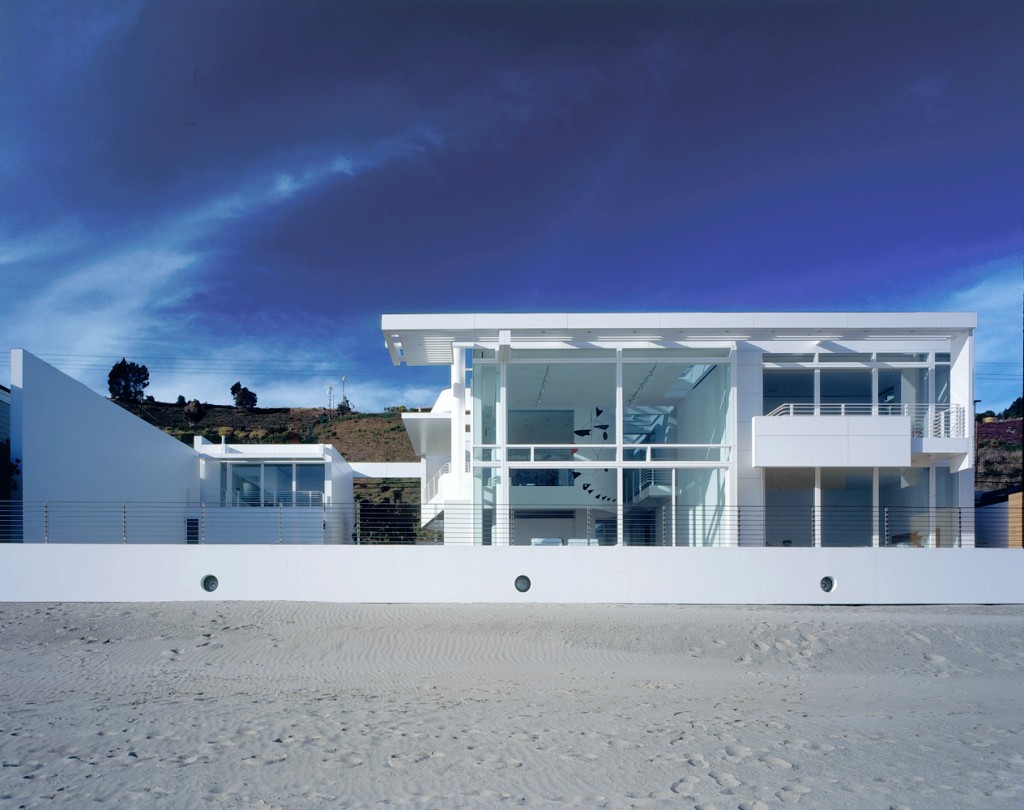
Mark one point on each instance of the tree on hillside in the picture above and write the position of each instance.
(244, 398)
(126, 381)
(180, 402)
(1016, 410)
(344, 407)
(194, 412)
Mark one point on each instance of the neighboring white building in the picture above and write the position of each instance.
(696, 429)
(93, 472)
(5, 413)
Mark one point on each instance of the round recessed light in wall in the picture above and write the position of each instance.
(828, 584)
(210, 583)
(522, 583)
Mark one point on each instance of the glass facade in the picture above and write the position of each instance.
(598, 447)
(914, 506)
(856, 383)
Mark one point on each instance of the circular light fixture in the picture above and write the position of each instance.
(827, 584)
(522, 583)
(210, 583)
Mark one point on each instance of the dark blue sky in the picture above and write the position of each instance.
(238, 190)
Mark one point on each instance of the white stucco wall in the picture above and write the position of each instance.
(831, 441)
(126, 573)
(77, 446)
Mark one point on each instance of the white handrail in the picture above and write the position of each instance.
(435, 482)
(928, 420)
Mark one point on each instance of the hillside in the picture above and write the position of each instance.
(1000, 454)
(382, 437)
(357, 436)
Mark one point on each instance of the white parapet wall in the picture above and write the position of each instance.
(425, 574)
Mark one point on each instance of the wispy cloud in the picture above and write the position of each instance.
(96, 309)
(997, 295)
(62, 236)
(120, 302)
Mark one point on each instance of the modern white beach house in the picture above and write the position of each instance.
(766, 458)
(696, 429)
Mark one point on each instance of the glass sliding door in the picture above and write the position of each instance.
(789, 507)
(701, 517)
(903, 513)
(846, 507)
(842, 387)
(787, 386)
(277, 485)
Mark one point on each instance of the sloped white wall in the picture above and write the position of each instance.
(77, 446)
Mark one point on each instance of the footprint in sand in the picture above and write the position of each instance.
(792, 793)
(737, 753)
(685, 786)
(725, 780)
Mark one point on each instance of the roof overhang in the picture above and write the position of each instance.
(430, 433)
(419, 340)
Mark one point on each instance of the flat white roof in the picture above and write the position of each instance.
(427, 339)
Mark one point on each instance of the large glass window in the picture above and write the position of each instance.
(785, 386)
(846, 507)
(844, 386)
(789, 507)
(947, 516)
(675, 403)
(277, 484)
(245, 485)
(485, 404)
(942, 383)
(701, 518)
(907, 386)
(309, 484)
(271, 484)
(903, 506)
(567, 404)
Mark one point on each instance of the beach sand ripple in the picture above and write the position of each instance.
(309, 704)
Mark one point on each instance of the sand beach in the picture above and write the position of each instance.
(255, 704)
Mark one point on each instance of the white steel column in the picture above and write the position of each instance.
(816, 520)
(876, 511)
(620, 510)
(458, 421)
(500, 534)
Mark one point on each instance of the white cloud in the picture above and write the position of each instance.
(118, 304)
(997, 296)
(61, 237)
(102, 307)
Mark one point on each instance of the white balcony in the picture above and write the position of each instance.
(858, 435)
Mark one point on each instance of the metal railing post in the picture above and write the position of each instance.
(46, 521)
(124, 521)
(280, 524)
(202, 523)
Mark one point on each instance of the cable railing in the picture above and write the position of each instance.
(648, 522)
(930, 421)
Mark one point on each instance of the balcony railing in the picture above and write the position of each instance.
(650, 522)
(433, 485)
(929, 421)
